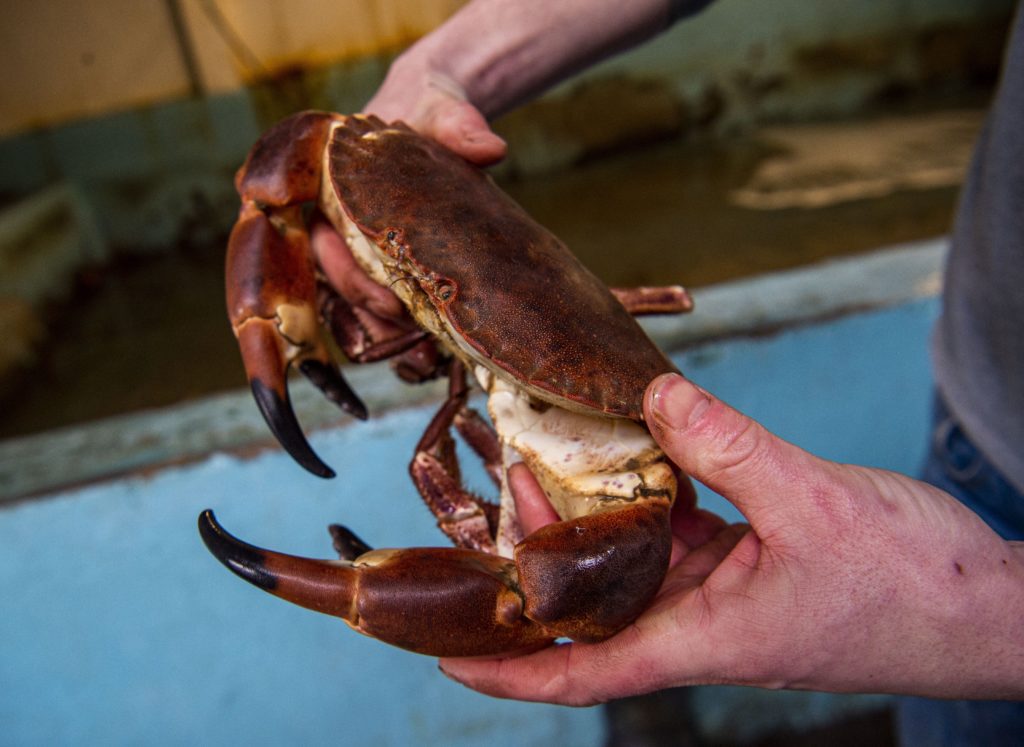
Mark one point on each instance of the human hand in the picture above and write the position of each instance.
(433, 104)
(849, 579)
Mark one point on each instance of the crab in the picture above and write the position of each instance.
(491, 294)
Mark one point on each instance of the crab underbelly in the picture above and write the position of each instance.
(585, 463)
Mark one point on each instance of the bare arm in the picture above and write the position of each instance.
(495, 54)
(848, 579)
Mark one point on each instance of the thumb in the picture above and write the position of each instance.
(461, 127)
(727, 451)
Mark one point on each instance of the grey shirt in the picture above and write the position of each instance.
(978, 346)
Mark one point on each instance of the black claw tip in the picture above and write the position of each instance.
(346, 543)
(240, 558)
(281, 418)
(328, 379)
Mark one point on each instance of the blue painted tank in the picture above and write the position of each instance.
(118, 627)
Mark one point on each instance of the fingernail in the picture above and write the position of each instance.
(676, 403)
(449, 675)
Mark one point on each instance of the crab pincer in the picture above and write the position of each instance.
(272, 287)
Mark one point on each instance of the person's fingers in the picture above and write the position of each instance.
(459, 126)
(532, 505)
(436, 106)
(347, 277)
(576, 674)
(727, 451)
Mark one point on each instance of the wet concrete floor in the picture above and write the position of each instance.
(150, 333)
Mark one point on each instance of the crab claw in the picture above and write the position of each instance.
(432, 600)
(266, 367)
(276, 407)
(272, 304)
(315, 584)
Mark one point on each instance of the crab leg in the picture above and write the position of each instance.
(584, 579)
(363, 337)
(466, 519)
(645, 299)
(477, 432)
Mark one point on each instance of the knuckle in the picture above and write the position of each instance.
(738, 451)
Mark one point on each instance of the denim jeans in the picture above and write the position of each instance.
(955, 465)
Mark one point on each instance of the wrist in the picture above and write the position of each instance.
(947, 629)
(453, 61)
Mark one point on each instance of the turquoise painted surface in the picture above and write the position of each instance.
(856, 390)
(119, 628)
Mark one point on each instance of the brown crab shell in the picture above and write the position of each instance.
(516, 294)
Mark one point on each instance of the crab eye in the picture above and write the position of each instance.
(445, 292)
(392, 235)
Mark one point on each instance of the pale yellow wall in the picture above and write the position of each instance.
(63, 59)
(285, 33)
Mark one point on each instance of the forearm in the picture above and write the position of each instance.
(500, 53)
